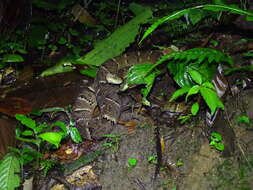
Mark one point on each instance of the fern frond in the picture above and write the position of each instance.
(216, 7)
(197, 55)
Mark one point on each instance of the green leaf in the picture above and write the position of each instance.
(149, 81)
(111, 135)
(90, 72)
(243, 119)
(132, 162)
(208, 85)
(9, 172)
(170, 17)
(73, 32)
(62, 126)
(211, 99)
(179, 92)
(184, 118)
(219, 146)
(195, 108)
(137, 73)
(62, 40)
(116, 43)
(196, 76)
(195, 15)
(28, 122)
(216, 137)
(52, 137)
(193, 90)
(75, 135)
(27, 133)
(12, 58)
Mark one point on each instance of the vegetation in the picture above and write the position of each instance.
(192, 69)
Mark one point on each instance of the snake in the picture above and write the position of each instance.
(105, 94)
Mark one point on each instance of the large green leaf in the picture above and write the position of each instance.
(137, 73)
(28, 122)
(52, 137)
(179, 92)
(75, 135)
(12, 58)
(116, 43)
(194, 90)
(211, 99)
(9, 172)
(108, 48)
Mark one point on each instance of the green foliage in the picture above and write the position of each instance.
(116, 43)
(108, 48)
(132, 162)
(9, 172)
(195, 108)
(193, 71)
(179, 163)
(200, 59)
(152, 159)
(112, 142)
(26, 154)
(196, 15)
(47, 165)
(216, 142)
(243, 119)
(12, 58)
(137, 74)
(36, 134)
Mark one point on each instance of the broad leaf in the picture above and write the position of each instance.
(179, 92)
(208, 85)
(52, 137)
(195, 108)
(9, 172)
(149, 81)
(62, 126)
(211, 99)
(28, 122)
(193, 90)
(12, 58)
(116, 43)
(27, 133)
(75, 135)
(137, 73)
(195, 15)
(196, 76)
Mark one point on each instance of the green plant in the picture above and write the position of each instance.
(132, 162)
(10, 52)
(113, 141)
(196, 14)
(46, 165)
(36, 134)
(9, 172)
(216, 141)
(243, 119)
(193, 71)
(152, 159)
(179, 163)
